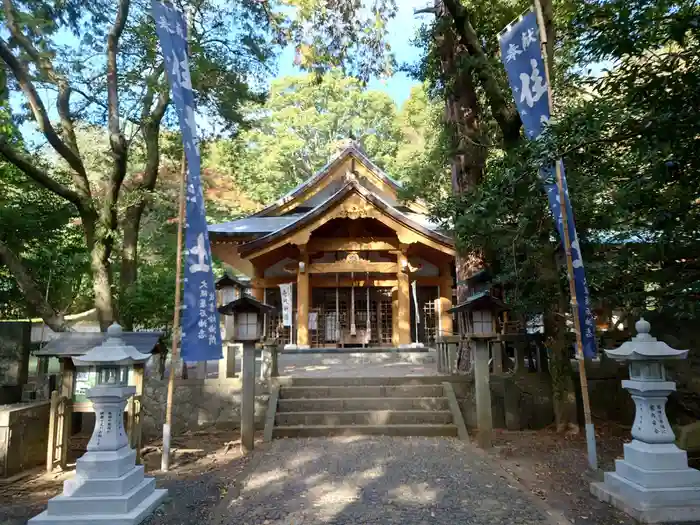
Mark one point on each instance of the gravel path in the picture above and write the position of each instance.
(378, 480)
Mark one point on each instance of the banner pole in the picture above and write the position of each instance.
(590, 430)
(174, 357)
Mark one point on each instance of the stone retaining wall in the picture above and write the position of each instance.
(197, 404)
(518, 402)
(23, 437)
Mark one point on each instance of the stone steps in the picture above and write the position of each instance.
(364, 430)
(367, 381)
(367, 417)
(352, 406)
(318, 392)
(331, 404)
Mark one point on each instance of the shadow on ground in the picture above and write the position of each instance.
(382, 480)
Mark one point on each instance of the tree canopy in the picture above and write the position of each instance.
(299, 127)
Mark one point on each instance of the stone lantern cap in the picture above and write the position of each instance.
(113, 351)
(644, 347)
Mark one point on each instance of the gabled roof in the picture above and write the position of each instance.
(349, 187)
(68, 344)
(481, 301)
(244, 303)
(252, 226)
(351, 150)
(228, 280)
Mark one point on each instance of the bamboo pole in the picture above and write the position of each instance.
(590, 431)
(167, 427)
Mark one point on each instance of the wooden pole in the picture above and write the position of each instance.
(590, 431)
(167, 427)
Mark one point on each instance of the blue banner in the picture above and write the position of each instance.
(201, 333)
(522, 57)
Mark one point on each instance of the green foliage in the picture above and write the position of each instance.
(421, 159)
(56, 55)
(629, 141)
(46, 231)
(345, 34)
(299, 127)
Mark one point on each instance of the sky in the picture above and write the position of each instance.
(402, 30)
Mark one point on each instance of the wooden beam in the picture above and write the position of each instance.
(268, 259)
(353, 245)
(359, 267)
(346, 282)
(328, 281)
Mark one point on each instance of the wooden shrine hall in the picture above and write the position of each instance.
(368, 269)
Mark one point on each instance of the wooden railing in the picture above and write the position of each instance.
(447, 350)
(59, 432)
(133, 418)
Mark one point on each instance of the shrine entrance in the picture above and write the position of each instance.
(350, 317)
(357, 266)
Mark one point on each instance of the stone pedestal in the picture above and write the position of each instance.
(108, 486)
(653, 482)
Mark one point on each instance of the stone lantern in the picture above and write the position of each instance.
(653, 482)
(108, 486)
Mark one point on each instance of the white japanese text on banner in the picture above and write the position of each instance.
(201, 333)
(522, 57)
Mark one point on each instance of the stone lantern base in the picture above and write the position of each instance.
(108, 488)
(653, 484)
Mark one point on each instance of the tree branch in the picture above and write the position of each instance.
(30, 289)
(116, 137)
(117, 142)
(44, 65)
(38, 175)
(503, 110)
(426, 10)
(42, 118)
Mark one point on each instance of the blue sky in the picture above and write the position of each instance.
(402, 30)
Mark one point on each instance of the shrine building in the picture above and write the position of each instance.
(367, 268)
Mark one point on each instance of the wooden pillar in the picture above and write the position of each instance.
(258, 290)
(227, 365)
(497, 357)
(445, 299)
(483, 392)
(248, 399)
(395, 316)
(67, 384)
(53, 419)
(403, 301)
(520, 356)
(303, 298)
(139, 372)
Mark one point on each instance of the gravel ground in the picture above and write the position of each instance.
(554, 468)
(377, 480)
(206, 469)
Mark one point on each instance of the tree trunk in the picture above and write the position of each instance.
(131, 224)
(99, 242)
(30, 289)
(462, 118)
(556, 339)
(102, 284)
(129, 263)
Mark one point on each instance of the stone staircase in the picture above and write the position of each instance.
(400, 406)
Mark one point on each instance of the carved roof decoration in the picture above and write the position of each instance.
(352, 150)
(350, 187)
(351, 212)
